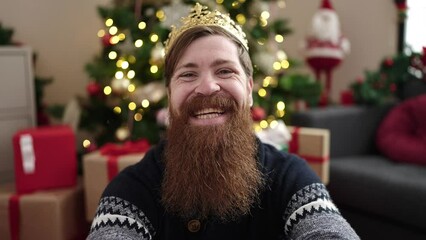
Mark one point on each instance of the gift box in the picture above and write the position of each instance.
(313, 145)
(46, 214)
(103, 165)
(45, 158)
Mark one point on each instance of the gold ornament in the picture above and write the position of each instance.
(200, 16)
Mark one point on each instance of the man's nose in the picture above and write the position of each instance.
(207, 86)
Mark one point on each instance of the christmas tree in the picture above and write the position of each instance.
(127, 97)
(388, 81)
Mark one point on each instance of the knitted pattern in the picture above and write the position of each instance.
(122, 219)
(310, 200)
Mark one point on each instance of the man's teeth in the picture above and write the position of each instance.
(208, 113)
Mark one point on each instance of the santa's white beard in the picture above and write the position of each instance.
(326, 26)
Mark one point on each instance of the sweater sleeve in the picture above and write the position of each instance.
(311, 214)
(117, 218)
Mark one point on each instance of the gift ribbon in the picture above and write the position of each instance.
(14, 214)
(114, 151)
(294, 148)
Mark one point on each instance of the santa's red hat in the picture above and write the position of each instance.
(326, 5)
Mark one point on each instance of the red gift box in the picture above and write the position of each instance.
(45, 158)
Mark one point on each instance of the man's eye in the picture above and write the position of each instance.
(225, 72)
(187, 76)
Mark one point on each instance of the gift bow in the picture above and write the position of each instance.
(113, 151)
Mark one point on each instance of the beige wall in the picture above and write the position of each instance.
(63, 33)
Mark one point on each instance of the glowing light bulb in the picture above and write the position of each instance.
(263, 124)
(107, 90)
(109, 22)
(142, 25)
(113, 30)
(112, 55)
(261, 92)
(138, 117)
(132, 106)
(117, 109)
(153, 37)
(131, 74)
(138, 43)
(145, 103)
(86, 143)
(281, 105)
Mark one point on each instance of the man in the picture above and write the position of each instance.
(212, 179)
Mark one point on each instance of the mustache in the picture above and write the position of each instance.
(217, 101)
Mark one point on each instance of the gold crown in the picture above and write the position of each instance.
(200, 16)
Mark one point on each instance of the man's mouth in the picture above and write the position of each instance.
(208, 113)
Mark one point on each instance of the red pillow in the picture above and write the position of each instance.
(402, 134)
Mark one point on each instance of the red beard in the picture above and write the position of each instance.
(211, 171)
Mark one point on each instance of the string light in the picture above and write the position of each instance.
(86, 143)
(125, 65)
(285, 64)
(280, 113)
(241, 19)
(107, 90)
(114, 40)
(138, 117)
(131, 74)
(267, 81)
(132, 106)
(131, 88)
(276, 66)
(117, 109)
(101, 33)
(235, 4)
(119, 63)
(119, 75)
(273, 124)
(154, 69)
(153, 37)
(145, 103)
(142, 25)
(219, 1)
(281, 105)
(265, 15)
(121, 36)
(160, 15)
(112, 55)
(109, 22)
(262, 92)
(113, 30)
(138, 43)
(263, 124)
(279, 38)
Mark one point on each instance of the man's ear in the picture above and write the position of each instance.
(250, 91)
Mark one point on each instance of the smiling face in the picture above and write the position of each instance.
(210, 66)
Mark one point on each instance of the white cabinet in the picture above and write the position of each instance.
(17, 102)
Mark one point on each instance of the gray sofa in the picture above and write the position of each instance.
(380, 198)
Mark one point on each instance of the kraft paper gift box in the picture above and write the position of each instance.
(312, 144)
(101, 166)
(45, 158)
(46, 214)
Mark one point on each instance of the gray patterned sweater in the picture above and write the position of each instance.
(295, 205)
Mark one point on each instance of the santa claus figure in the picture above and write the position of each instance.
(325, 47)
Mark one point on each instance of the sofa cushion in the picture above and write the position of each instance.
(379, 186)
(402, 134)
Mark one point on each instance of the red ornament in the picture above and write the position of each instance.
(257, 113)
(388, 62)
(424, 56)
(106, 40)
(93, 89)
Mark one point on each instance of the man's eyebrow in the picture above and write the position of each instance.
(216, 63)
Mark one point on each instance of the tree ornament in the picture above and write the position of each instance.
(258, 113)
(388, 62)
(325, 47)
(106, 40)
(174, 12)
(93, 89)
